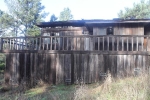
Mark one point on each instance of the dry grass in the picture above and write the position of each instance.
(133, 88)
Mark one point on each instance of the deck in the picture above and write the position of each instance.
(54, 59)
(107, 44)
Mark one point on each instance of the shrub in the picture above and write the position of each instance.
(2, 66)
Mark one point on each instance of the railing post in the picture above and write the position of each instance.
(122, 43)
(1, 43)
(132, 43)
(117, 43)
(147, 38)
(113, 41)
(36, 48)
(137, 44)
(103, 43)
(51, 43)
(98, 44)
(127, 44)
(40, 43)
(55, 41)
(67, 43)
(142, 41)
(43, 45)
(107, 43)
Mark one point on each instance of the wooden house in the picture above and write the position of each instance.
(79, 50)
(98, 27)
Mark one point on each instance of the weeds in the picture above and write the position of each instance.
(131, 88)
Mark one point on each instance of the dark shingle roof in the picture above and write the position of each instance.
(80, 23)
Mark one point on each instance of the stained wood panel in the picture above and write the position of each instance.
(56, 68)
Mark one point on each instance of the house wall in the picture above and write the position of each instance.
(147, 40)
(70, 43)
(120, 30)
(55, 68)
(129, 30)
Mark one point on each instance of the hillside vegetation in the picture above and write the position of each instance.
(133, 88)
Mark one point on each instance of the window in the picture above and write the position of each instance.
(110, 31)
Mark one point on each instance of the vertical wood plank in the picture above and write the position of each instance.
(58, 71)
(53, 56)
(72, 68)
(7, 73)
(101, 65)
(90, 68)
(44, 66)
(31, 68)
(103, 44)
(35, 67)
(25, 67)
(67, 66)
(98, 43)
(143, 64)
(96, 68)
(86, 68)
(75, 69)
(119, 66)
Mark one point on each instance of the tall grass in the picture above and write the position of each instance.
(131, 88)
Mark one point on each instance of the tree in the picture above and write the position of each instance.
(26, 14)
(53, 18)
(6, 22)
(139, 11)
(65, 15)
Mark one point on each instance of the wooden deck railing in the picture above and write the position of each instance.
(77, 43)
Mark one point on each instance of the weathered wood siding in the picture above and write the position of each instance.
(128, 30)
(147, 32)
(56, 68)
(120, 30)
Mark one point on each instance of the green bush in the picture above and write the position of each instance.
(2, 66)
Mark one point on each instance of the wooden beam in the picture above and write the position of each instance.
(64, 29)
(79, 52)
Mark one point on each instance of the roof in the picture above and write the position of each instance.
(77, 23)
(80, 23)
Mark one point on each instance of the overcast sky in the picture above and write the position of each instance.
(84, 9)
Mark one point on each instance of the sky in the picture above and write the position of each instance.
(84, 9)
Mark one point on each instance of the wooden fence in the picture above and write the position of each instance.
(74, 58)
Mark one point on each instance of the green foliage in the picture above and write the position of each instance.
(2, 66)
(139, 11)
(53, 18)
(65, 15)
(6, 22)
(35, 31)
(26, 13)
(2, 62)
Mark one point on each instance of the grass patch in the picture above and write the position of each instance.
(133, 88)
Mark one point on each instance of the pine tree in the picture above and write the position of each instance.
(65, 15)
(53, 18)
(6, 23)
(26, 14)
(138, 11)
